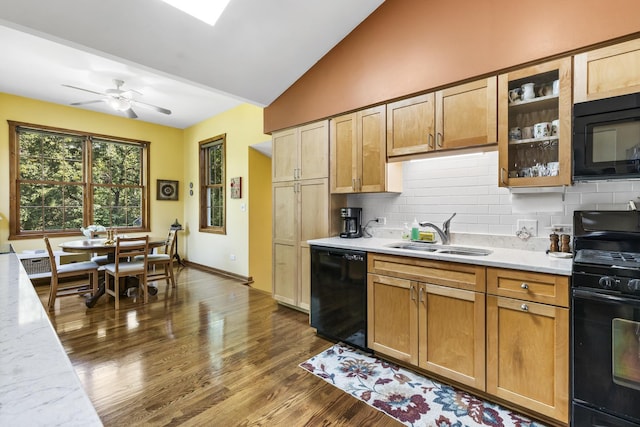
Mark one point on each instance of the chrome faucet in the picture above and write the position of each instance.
(443, 232)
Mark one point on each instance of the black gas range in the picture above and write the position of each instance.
(605, 319)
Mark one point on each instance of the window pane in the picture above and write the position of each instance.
(215, 207)
(45, 207)
(116, 163)
(216, 167)
(117, 206)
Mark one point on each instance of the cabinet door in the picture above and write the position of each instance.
(528, 355)
(343, 154)
(466, 115)
(284, 212)
(524, 160)
(411, 126)
(284, 155)
(606, 72)
(313, 219)
(452, 334)
(372, 154)
(392, 317)
(313, 151)
(285, 273)
(284, 242)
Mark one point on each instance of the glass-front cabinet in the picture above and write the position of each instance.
(534, 125)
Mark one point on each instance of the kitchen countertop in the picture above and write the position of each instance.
(536, 261)
(39, 385)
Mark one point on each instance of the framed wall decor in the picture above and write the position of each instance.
(236, 188)
(167, 190)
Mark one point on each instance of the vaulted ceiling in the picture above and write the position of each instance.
(256, 51)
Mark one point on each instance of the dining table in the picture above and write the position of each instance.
(102, 246)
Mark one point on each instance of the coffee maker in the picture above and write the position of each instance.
(351, 222)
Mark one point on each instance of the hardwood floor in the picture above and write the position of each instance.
(212, 352)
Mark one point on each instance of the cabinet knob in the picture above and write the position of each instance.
(430, 141)
(420, 292)
(412, 291)
(524, 286)
(524, 307)
(439, 138)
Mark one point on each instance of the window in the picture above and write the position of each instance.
(212, 191)
(62, 180)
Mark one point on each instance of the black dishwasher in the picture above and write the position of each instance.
(339, 295)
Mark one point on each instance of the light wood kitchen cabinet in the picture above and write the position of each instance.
(528, 341)
(452, 333)
(392, 323)
(457, 117)
(301, 153)
(466, 115)
(527, 159)
(411, 126)
(606, 72)
(303, 208)
(430, 314)
(358, 154)
(301, 212)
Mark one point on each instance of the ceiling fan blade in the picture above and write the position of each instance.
(95, 101)
(85, 90)
(152, 107)
(130, 113)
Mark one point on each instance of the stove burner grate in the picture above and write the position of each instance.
(609, 258)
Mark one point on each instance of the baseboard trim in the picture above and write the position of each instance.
(244, 279)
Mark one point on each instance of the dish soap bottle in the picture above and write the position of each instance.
(406, 232)
(415, 230)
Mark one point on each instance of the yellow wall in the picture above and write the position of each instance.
(243, 127)
(166, 154)
(260, 220)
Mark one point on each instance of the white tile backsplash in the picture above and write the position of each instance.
(468, 185)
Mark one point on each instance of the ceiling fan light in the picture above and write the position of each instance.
(205, 10)
(119, 104)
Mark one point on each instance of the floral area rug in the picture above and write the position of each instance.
(406, 396)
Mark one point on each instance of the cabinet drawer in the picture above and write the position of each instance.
(461, 276)
(537, 287)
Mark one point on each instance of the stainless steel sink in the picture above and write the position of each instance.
(424, 247)
(441, 249)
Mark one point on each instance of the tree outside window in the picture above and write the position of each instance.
(212, 188)
(62, 180)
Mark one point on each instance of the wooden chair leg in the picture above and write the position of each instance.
(53, 290)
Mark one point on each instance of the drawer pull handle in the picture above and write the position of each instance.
(524, 286)
(524, 307)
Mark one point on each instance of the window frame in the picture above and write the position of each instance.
(203, 177)
(87, 183)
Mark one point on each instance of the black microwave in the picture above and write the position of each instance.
(606, 138)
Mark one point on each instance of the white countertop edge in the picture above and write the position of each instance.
(517, 259)
(40, 385)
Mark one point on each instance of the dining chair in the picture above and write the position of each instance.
(126, 265)
(163, 259)
(75, 269)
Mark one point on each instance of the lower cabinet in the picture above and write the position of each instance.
(500, 331)
(452, 341)
(528, 342)
(439, 328)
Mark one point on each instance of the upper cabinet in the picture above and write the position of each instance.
(606, 72)
(301, 153)
(534, 125)
(358, 154)
(457, 117)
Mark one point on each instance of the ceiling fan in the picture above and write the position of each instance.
(119, 99)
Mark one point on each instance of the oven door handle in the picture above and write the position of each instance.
(621, 267)
(598, 296)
